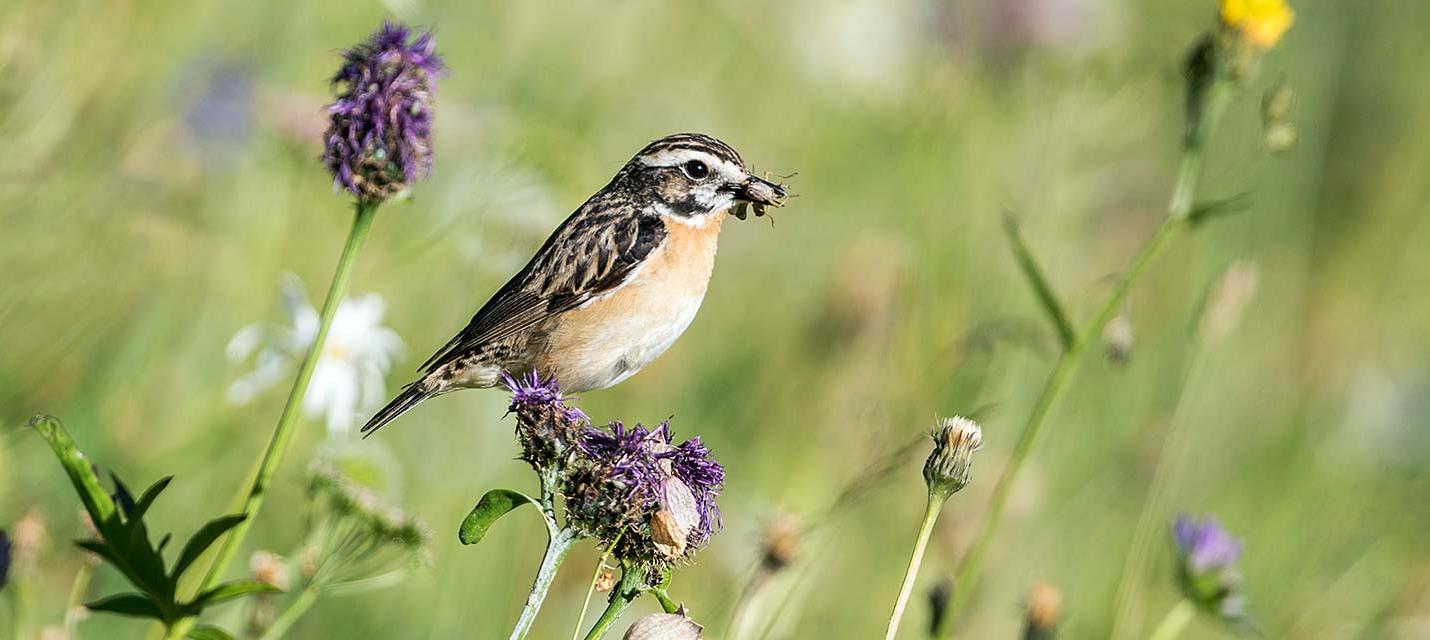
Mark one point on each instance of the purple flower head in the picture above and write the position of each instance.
(658, 498)
(379, 138)
(1206, 566)
(546, 428)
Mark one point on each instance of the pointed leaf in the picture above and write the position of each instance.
(495, 504)
(230, 590)
(99, 548)
(122, 496)
(208, 632)
(202, 539)
(127, 604)
(164, 542)
(147, 500)
(96, 501)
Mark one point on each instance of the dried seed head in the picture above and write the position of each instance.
(1227, 300)
(780, 542)
(1045, 606)
(606, 580)
(664, 626)
(270, 569)
(949, 465)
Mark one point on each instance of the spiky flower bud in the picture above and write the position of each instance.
(633, 488)
(546, 428)
(948, 468)
(1206, 567)
(664, 626)
(379, 138)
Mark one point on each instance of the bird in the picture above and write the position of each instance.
(614, 285)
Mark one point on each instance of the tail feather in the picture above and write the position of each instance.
(410, 396)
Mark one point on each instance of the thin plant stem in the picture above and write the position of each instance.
(1153, 507)
(935, 504)
(557, 546)
(1178, 218)
(626, 592)
(283, 433)
(76, 599)
(1176, 621)
(285, 620)
(591, 589)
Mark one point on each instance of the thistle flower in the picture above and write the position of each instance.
(379, 138)
(948, 467)
(1206, 567)
(546, 428)
(633, 488)
(1260, 23)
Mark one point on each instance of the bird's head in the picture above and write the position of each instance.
(691, 177)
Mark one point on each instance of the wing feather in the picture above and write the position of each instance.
(589, 255)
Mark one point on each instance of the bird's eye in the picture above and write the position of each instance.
(696, 170)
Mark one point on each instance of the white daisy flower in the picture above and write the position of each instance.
(349, 381)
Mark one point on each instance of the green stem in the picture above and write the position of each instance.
(591, 589)
(1176, 621)
(558, 545)
(76, 599)
(286, 620)
(283, 433)
(626, 592)
(1176, 221)
(935, 504)
(1041, 287)
(180, 630)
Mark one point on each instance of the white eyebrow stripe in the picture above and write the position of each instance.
(673, 157)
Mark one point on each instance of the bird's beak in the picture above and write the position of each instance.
(761, 192)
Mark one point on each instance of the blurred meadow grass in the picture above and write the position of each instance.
(160, 176)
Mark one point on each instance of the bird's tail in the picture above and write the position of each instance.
(410, 396)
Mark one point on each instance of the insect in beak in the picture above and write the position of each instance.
(761, 193)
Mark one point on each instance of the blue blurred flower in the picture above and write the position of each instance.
(4, 557)
(379, 139)
(1206, 569)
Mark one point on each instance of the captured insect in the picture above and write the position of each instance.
(742, 210)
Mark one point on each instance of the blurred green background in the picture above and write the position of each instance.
(159, 177)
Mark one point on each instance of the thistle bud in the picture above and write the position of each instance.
(664, 626)
(948, 467)
(1045, 605)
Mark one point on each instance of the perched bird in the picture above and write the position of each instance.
(613, 286)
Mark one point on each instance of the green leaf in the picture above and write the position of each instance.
(96, 501)
(208, 632)
(123, 497)
(495, 504)
(228, 591)
(1041, 287)
(127, 604)
(150, 494)
(204, 538)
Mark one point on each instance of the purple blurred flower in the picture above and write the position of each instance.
(379, 140)
(4, 557)
(1207, 555)
(657, 497)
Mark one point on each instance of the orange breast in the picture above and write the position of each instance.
(607, 340)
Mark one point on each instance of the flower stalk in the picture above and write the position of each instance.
(1176, 620)
(283, 434)
(626, 591)
(931, 511)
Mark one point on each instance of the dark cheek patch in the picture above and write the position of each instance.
(675, 192)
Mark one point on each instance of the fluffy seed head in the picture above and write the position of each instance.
(379, 138)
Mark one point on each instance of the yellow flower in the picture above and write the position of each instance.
(1260, 22)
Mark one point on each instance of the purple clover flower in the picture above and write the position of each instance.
(1206, 567)
(379, 138)
(633, 483)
